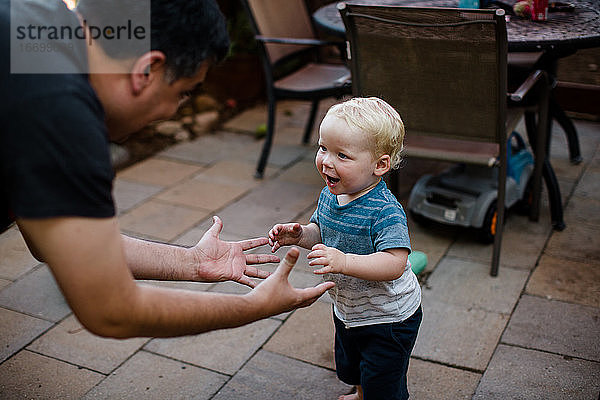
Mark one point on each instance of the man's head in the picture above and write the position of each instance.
(187, 32)
(186, 37)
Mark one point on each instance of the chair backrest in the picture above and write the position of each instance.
(281, 19)
(444, 70)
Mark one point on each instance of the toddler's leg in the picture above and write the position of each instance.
(385, 359)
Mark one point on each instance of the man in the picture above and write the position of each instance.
(56, 177)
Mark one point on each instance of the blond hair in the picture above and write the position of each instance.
(379, 120)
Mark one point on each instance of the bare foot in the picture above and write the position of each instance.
(356, 394)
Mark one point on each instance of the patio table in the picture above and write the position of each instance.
(562, 34)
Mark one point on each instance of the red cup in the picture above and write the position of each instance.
(540, 10)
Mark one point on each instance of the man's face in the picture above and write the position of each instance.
(159, 100)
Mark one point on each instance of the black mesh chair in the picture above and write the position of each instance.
(444, 70)
(292, 62)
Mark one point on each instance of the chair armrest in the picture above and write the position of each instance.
(533, 78)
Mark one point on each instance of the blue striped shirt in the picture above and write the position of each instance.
(373, 222)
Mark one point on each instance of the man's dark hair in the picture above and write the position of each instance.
(188, 32)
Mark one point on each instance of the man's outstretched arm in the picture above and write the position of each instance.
(87, 258)
(210, 260)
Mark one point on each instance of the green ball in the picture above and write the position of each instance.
(260, 131)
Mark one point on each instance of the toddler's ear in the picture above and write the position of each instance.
(383, 165)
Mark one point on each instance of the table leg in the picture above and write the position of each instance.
(556, 210)
(557, 113)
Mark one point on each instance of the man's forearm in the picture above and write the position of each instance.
(159, 261)
(161, 312)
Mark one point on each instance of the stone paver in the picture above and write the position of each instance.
(36, 294)
(70, 342)
(34, 376)
(306, 335)
(556, 327)
(235, 172)
(224, 351)
(209, 149)
(15, 258)
(129, 194)
(248, 219)
(17, 330)
(589, 185)
(303, 172)
(280, 194)
(158, 172)
(522, 243)
(458, 336)
(494, 294)
(427, 381)
(570, 281)
(149, 376)
(273, 376)
(583, 210)
(577, 242)
(161, 220)
(516, 373)
(203, 194)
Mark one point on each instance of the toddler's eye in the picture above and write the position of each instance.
(342, 156)
(322, 148)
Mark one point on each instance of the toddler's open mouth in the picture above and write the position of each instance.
(331, 180)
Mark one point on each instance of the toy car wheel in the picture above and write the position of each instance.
(487, 232)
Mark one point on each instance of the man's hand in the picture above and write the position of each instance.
(284, 235)
(279, 296)
(217, 260)
(332, 259)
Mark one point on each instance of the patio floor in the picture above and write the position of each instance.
(530, 333)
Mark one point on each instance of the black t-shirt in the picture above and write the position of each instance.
(54, 153)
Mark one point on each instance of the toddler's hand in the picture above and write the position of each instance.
(284, 234)
(332, 260)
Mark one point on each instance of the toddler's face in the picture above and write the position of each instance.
(344, 159)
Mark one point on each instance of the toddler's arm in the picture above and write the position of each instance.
(384, 265)
(294, 234)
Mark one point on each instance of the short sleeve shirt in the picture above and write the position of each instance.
(373, 222)
(54, 153)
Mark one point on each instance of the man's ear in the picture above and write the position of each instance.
(383, 165)
(146, 69)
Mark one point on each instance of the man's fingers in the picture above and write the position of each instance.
(252, 243)
(288, 262)
(216, 227)
(244, 280)
(261, 258)
(313, 294)
(254, 272)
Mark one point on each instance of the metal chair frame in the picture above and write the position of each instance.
(280, 46)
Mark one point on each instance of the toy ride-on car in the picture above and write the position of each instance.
(466, 195)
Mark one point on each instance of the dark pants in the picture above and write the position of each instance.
(376, 356)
